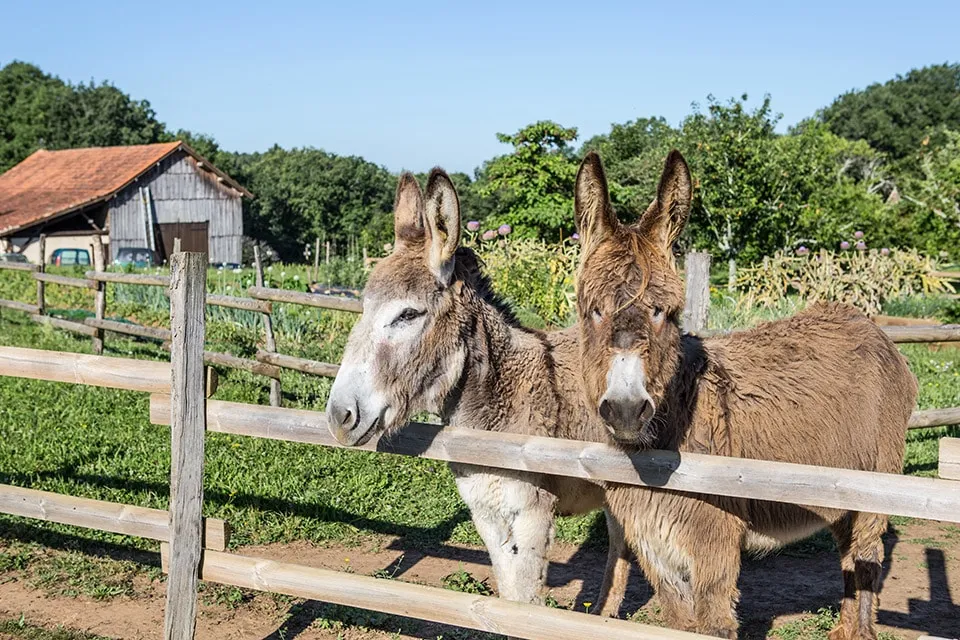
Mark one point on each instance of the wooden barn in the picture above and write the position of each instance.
(139, 196)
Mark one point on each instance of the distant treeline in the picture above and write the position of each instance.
(884, 160)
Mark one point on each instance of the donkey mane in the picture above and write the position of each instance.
(468, 267)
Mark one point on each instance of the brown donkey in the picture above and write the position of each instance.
(433, 337)
(825, 387)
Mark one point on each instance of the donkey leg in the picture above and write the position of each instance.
(672, 589)
(514, 516)
(868, 530)
(846, 628)
(617, 571)
(524, 552)
(716, 567)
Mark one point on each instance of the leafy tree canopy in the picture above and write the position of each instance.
(895, 116)
(535, 182)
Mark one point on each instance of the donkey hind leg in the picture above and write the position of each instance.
(842, 530)
(617, 571)
(514, 517)
(868, 530)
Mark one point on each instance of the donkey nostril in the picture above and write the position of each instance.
(346, 417)
(606, 411)
(646, 410)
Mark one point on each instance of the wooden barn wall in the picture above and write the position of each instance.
(180, 192)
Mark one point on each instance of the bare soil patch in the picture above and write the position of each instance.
(918, 598)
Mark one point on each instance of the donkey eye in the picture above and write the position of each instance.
(596, 315)
(407, 315)
(657, 312)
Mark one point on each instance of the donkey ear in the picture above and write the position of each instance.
(667, 215)
(407, 212)
(595, 217)
(443, 225)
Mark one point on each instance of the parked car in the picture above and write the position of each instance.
(13, 257)
(136, 256)
(70, 257)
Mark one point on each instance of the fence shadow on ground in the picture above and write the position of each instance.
(814, 578)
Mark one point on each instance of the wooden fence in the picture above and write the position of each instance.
(194, 548)
(268, 362)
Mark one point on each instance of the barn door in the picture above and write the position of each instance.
(193, 237)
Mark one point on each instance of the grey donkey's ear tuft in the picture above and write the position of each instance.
(442, 216)
(594, 213)
(407, 212)
(665, 218)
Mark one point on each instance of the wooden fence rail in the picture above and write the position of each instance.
(697, 473)
(483, 613)
(98, 514)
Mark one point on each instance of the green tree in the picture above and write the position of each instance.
(928, 213)
(38, 110)
(302, 194)
(738, 202)
(896, 115)
(534, 184)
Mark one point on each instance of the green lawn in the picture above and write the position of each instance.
(99, 443)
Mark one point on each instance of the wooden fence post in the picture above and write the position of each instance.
(100, 300)
(271, 342)
(188, 417)
(316, 261)
(697, 280)
(176, 245)
(41, 289)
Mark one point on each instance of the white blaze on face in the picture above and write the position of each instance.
(356, 405)
(626, 402)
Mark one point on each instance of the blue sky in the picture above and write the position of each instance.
(410, 86)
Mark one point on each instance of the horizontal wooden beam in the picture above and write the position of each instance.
(129, 278)
(104, 516)
(129, 328)
(19, 306)
(234, 302)
(934, 418)
(309, 299)
(938, 333)
(19, 266)
(66, 281)
(950, 458)
(314, 367)
(66, 325)
(483, 613)
(235, 362)
(79, 368)
(697, 473)
(946, 275)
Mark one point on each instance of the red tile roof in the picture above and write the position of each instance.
(49, 184)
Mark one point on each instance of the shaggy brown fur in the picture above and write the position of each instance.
(825, 387)
(460, 353)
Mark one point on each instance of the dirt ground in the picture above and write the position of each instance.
(922, 574)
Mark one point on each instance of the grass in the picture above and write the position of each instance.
(21, 628)
(815, 626)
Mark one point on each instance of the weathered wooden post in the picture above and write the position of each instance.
(697, 280)
(328, 252)
(100, 300)
(316, 261)
(176, 245)
(188, 420)
(269, 339)
(41, 267)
